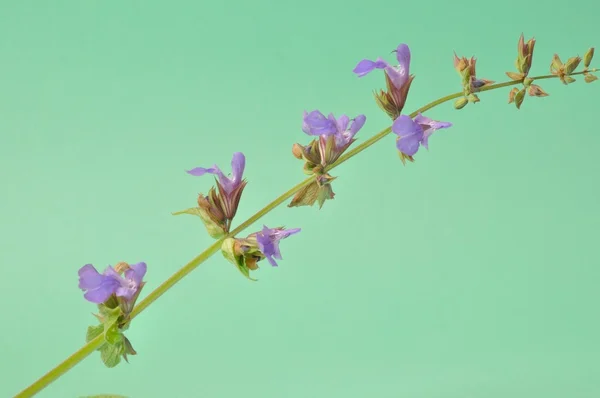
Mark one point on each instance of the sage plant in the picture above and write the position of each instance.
(115, 291)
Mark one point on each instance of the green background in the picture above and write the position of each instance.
(470, 273)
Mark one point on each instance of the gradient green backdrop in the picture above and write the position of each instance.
(471, 273)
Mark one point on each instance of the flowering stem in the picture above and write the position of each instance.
(91, 346)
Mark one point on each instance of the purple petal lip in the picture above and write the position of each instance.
(410, 135)
(404, 126)
(366, 66)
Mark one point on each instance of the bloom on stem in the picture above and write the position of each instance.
(268, 242)
(99, 287)
(245, 253)
(397, 74)
(334, 137)
(116, 296)
(226, 184)
(217, 209)
(413, 133)
(398, 80)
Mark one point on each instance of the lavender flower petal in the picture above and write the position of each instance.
(403, 57)
(99, 286)
(200, 171)
(404, 126)
(409, 145)
(136, 272)
(410, 134)
(315, 123)
(429, 126)
(397, 75)
(238, 164)
(357, 124)
(366, 66)
(342, 123)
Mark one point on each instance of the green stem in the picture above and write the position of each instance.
(91, 346)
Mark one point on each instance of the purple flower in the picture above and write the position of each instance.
(229, 185)
(268, 242)
(412, 133)
(315, 123)
(101, 286)
(397, 74)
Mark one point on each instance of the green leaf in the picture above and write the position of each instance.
(213, 229)
(110, 319)
(111, 354)
(127, 348)
(93, 332)
(112, 335)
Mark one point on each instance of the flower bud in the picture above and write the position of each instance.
(572, 64)
(460, 103)
(511, 95)
(556, 65)
(525, 55)
(587, 58)
(590, 78)
(515, 76)
(519, 98)
(297, 151)
(536, 91)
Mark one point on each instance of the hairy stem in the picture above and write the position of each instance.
(90, 347)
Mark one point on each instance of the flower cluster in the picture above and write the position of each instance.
(115, 291)
(557, 68)
(334, 136)
(218, 208)
(397, 78)
(523, 65)
(564, 71)
(412, 133)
